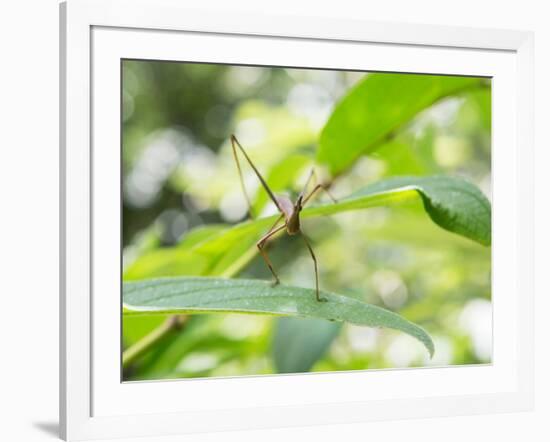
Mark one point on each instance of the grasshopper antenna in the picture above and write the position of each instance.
(234, 144)
(235, 156)
(318, 186)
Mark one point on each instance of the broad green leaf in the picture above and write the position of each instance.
(192, 295)
(175, 261)
(299, 343)
(200, 233)
(171, 261)
(376, 108)
(452, 203)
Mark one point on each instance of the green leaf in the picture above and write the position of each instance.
(171, 261)
(376, 108)
(299, 343)
(175, 261)
(200, 233)
(452, 203)
(192, 295)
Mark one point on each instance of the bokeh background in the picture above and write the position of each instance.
(179, 178)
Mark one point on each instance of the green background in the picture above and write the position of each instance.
(180, 185)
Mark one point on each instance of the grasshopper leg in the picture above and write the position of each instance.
(317, 296)
(261, 243)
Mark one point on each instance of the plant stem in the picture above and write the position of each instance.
(173, 323)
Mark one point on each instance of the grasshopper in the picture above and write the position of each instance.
(289, 212)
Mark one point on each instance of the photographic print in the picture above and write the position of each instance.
(292, 220)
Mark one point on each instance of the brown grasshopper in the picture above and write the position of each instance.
(290, 212)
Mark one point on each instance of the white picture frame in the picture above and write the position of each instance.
(95, 35)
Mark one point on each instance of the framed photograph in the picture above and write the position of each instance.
(287, 221)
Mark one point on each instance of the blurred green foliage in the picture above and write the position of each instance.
(386, 102)
(181, 190)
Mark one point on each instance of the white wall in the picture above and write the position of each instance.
(29, 166)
